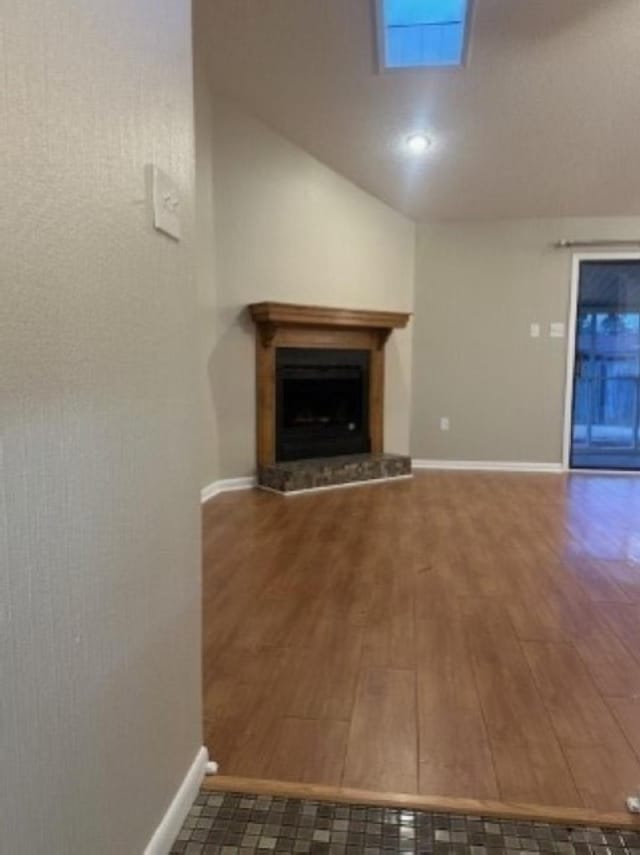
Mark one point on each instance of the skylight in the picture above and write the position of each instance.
(423, 33)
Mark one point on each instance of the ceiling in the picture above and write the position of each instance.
(543, 121)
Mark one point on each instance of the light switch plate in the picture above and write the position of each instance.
(166, 204)
(535, 330)
(556, 329)
(445, 424)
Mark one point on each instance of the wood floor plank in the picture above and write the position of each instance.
(614, 669)
(598, 581)
(243, 680)
(460, 634)
(604, 769)
(245, 744)
(627, 714)
(389, 630)
(455, 756)
(323, 676)
(534, 773)
(604, 778)
(389, 643)
(245, 697)
(623, 619)
(309, 751)
(454, 753)
(543, 609)
(626, 574)
(383, 745)
(528, 760)
(561, 676)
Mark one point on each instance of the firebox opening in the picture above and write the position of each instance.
(322, 403)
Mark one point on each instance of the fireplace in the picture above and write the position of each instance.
(322, 402)
(320, 396)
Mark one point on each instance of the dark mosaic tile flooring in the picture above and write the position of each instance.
(237, 824)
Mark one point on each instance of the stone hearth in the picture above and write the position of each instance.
(291, 476)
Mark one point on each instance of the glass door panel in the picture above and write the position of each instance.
(606, 401)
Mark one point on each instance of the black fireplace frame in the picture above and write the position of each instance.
(301, 443)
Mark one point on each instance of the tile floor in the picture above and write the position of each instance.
(231, 824)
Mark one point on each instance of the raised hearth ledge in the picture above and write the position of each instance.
(324, 473)
(346, 486)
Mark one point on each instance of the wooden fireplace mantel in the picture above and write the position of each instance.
(269, 316)
(293, 325)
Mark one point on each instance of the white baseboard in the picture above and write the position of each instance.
(622, 473)
(368, 483)
(488, 465)
(247, 483)
(226, 486)
(171, 823)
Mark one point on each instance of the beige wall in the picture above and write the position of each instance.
(479, 286)
(288, 228)
(99, 511)
(205, 249)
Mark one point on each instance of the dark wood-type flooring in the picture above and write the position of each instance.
(460, 634)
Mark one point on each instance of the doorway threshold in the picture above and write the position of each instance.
(572, 816)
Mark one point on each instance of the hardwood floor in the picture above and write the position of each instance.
(461, 634)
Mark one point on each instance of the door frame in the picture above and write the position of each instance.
(576, 261)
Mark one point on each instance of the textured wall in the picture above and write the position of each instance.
(288, 228)
(99, 512)
(205, 247)
(478, 288)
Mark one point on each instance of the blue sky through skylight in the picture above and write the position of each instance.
(424, 32)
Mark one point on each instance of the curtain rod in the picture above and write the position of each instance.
(575, 244)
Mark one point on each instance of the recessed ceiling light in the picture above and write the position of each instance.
(419, 143)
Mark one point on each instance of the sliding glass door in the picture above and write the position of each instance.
(605, 430)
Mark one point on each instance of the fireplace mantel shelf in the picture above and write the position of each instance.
(269, 316)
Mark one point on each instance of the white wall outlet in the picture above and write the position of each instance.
(556, 329)
(535, 330)
(444, 423)
(166, 204)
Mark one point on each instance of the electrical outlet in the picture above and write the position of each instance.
(444, 423)
(535, 330)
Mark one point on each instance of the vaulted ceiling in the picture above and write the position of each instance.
(543, 121)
